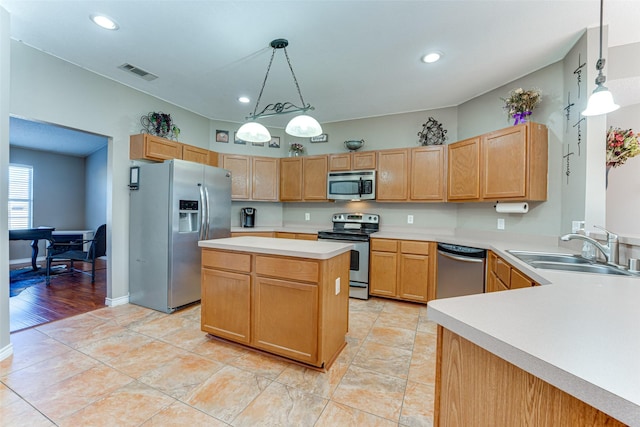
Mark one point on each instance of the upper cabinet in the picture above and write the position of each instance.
(252, 178)
(514, 163)
(393, 182)
(426, 181)
(508, 164)
(149, 147)
(303, 178)
(352, 161)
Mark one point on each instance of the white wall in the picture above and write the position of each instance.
(96, 189)
(5, 46)
(623, 192)
(48, 89)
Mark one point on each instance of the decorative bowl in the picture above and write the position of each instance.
(354, 145)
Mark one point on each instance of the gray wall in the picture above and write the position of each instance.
(58, 193)
(96, 189)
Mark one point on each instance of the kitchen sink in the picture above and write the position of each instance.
(530, 257)
(567, 262)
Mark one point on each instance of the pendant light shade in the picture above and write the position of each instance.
(253, 132)
(303, 126)
(601, 100)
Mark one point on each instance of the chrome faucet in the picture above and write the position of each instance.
(610, 251)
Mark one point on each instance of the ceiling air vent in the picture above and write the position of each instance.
(138, 72)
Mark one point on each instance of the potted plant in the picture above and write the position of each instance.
(520, 103)
(296, 149)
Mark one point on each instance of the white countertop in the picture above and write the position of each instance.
(286, 247)
(583, 338)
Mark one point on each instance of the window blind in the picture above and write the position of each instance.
(20, 197)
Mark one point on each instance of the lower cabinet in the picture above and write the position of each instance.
(288, 306)
(403, 269)
(299, 236)
(501, 276)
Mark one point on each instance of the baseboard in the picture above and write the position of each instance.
(27, 260)
(6, 351)
(112, 302)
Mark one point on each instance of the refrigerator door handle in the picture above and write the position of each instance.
(206, 195)
(203, 214)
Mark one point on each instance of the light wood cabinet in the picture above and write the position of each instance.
(264, 178)
(252, 178)
(214, 159)
(195, 154)
(477, 388)
(253, 233)
(403, 269)
(393, 183)
(508, 164)
(514, 163)
(284, 305)
(365, 160)
(240, 167)
(426, 181)
(303, 179)
(299, 236)
(149, 147)
(463, 171)
(502, 276)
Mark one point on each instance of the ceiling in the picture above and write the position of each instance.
(353, 59)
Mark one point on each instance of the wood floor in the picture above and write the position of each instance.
(67, 295)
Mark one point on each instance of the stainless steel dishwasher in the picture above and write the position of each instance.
(461, 270)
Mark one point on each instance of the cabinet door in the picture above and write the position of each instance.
(226, 304)
(519, 280)
(291, 179)
(427, 173)
(286, 318)
(504, 163)
(383, 276)
(213, 159)
(463, 173)
(150, 147)
(494, 284)
(392, 182)
(414, 277)
(340, 162)
(264, 180)
(314, 183)
(195, 154)
(240, 167)
(363, 161)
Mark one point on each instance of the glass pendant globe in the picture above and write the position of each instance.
(253, 132)
(303, 126)
(600, 102)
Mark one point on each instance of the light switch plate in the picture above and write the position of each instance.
(337, 286)
(307, 216)
(500, 223)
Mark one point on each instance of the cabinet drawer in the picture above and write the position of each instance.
(384, 245)
(503, 271)
(411, 247)
(226, 260)
(294, 269)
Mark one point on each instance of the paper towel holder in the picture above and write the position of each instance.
(512, 207)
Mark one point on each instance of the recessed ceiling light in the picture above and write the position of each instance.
(244, 99)
(104, 22)
(431, 57)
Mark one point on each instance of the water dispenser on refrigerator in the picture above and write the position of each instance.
(188, 216)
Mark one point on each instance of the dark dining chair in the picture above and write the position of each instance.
(73, 251)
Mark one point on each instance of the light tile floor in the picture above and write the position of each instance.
(130, 366)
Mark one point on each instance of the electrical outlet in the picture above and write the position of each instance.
(307, 216)
(409, 219)
(576, 226)
(337, 286)
(500, 223)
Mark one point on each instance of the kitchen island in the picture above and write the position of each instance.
(565, 354)
(283, 296)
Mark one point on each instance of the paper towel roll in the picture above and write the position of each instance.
(512, 207)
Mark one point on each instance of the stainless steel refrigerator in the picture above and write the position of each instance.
(176, 204)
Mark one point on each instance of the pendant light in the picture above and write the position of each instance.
(601, 100)
(303, 126)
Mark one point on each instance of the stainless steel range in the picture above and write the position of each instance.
(355, 228)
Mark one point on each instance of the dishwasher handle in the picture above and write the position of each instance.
(460, 258)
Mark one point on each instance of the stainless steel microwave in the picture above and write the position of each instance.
(351, 185)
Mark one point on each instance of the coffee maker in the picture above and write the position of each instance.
(248, 217)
